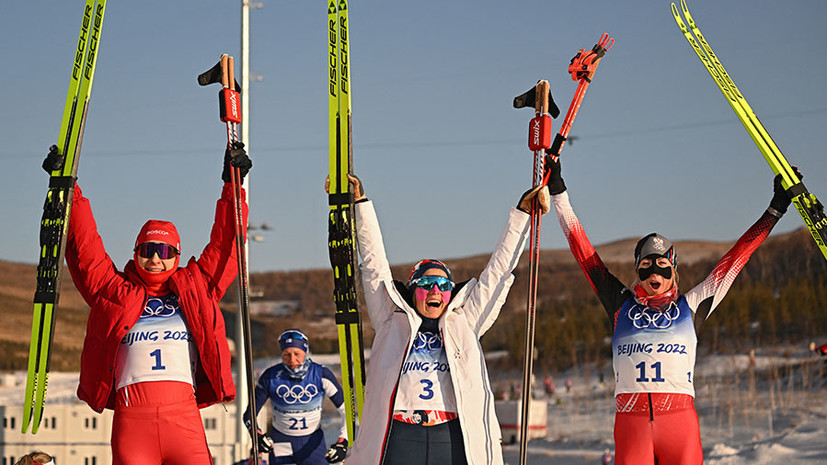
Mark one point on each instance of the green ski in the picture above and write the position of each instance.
(55, 221)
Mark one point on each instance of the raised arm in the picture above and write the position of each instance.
(218, 261)
(488, 294)
(706, 296)
(608, 288)
(91, 267)
(374, 268)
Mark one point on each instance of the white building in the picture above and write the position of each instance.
(75, 434)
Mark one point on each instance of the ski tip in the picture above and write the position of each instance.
(675, 11)
(685, 10)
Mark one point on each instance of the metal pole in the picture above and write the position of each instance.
(243, 444)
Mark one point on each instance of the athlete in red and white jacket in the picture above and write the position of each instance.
(155, 349)
(655, 330)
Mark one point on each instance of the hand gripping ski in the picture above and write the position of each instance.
(808, 206)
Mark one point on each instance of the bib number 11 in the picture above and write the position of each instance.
(642, 369)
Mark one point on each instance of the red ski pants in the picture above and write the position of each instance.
(158, 423)
(665, 438)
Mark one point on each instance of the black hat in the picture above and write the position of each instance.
(655, 244)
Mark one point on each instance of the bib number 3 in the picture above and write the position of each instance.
(427, 389)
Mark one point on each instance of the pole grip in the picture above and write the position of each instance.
(225, 82)
(230, 74)
(541, 100)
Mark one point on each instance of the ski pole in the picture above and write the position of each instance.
(230, 113)
(539, 139)
(581, 68)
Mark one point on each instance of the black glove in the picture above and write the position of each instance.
(781, 198)
(553, 172)
(236, 156)
(337, 452)
(265, 444)
(53, 161)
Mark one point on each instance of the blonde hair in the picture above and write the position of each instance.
(33, 458)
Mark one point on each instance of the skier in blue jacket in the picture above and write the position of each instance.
(296, 389)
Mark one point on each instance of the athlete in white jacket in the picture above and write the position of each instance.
(428, 398)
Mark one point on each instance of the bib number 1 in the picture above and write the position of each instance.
(157, 355)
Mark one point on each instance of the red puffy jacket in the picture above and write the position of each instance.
(117, 299)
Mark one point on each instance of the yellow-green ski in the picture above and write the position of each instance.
(341, 225)
(808, 206)
(55, 221)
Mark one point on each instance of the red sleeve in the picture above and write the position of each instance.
(704, 297)
(218, 261)
(611, 292)
(87, 260)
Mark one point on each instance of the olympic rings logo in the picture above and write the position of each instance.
(644, 317)
(428, 341)
(297, 393)
(158, 307)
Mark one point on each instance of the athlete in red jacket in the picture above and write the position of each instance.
(155, 349)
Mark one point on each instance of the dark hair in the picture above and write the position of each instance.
(34, 457)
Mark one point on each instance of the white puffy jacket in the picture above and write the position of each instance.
(469, 315)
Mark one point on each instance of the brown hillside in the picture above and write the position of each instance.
(780, 258)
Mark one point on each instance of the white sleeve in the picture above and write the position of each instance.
(489, 292)
(374, 267)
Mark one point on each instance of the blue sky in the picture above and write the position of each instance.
(436, 141)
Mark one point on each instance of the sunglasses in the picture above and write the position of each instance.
(164, 251)
(428, 282)
(293, 335)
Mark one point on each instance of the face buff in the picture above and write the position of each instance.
(644, 273)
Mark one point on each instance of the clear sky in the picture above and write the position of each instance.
(436, 141)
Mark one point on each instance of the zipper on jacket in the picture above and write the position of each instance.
(651, 410)
(458, 394)
(392, 403)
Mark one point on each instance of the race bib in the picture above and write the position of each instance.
(158, 348)
(425, 382)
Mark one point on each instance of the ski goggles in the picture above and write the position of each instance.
(428, 282)
(164, 251)
(293, 338)
(292, 334)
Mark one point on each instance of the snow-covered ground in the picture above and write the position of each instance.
(773, 413)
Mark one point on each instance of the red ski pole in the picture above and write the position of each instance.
(582, 68)
(229, 102)
(539, 139)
